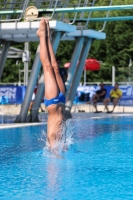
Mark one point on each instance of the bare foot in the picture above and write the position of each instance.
(42, 31)
(48, 29)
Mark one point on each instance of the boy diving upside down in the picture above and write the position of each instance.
(54, 86)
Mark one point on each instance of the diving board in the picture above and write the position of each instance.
(26, 31)
(87, 33)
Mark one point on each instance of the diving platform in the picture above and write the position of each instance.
(26, 31)
(86, 33)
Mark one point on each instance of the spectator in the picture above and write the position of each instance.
(98, 97)
(115, 95)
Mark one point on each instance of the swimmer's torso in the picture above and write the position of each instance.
(55, 118)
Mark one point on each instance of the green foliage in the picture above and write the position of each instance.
(65, 51)
(115, 50)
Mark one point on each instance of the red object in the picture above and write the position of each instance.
(35, 90)
(92, 64)
(67, 65)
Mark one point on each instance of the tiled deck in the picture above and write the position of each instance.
(7, 121)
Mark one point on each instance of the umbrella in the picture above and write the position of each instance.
(90, 64)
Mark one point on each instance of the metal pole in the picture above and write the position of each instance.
(26, 64)
(4, 56)
(113, 75)
(56, 36)
(130, 64)
(30, 88)
(38, 99)
(74, 62)
(84, 77)
(19, 75)
(77, 76)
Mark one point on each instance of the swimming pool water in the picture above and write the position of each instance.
(98, 166)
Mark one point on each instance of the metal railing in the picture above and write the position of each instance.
(9, 10)
(78, 12)
(80, 84)
(105, 83)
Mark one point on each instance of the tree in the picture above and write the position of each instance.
(115, 50)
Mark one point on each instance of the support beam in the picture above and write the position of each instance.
(77, 76)
(74, 62)
(3, 57)
(56, 39)
(113, 75)
(33, 117)
(30, 88)
(26, 63)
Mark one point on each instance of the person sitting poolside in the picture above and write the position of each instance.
(54, 87)
(115, 95)
(98, 97)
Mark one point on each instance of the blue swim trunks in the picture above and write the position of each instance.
(59, 99)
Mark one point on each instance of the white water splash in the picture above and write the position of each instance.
(66, 139)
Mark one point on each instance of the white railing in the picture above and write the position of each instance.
(80, 84)
(105, 83)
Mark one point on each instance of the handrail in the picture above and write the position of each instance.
(90, 13)
(76, 13)
(22, 12)
(53, 12)
(76, 9)
(100, 19)
(107, 14)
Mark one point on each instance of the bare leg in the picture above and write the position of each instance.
(95, 97)
(54, 62)
(30, 107)
(106, 101)
(95, 105)
(51, 87)
(52, 80)
(115, 101)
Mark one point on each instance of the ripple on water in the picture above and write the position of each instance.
(98, 164)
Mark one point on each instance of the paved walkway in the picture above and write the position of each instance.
(8, 114)
(15, 109)
(7, 121)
